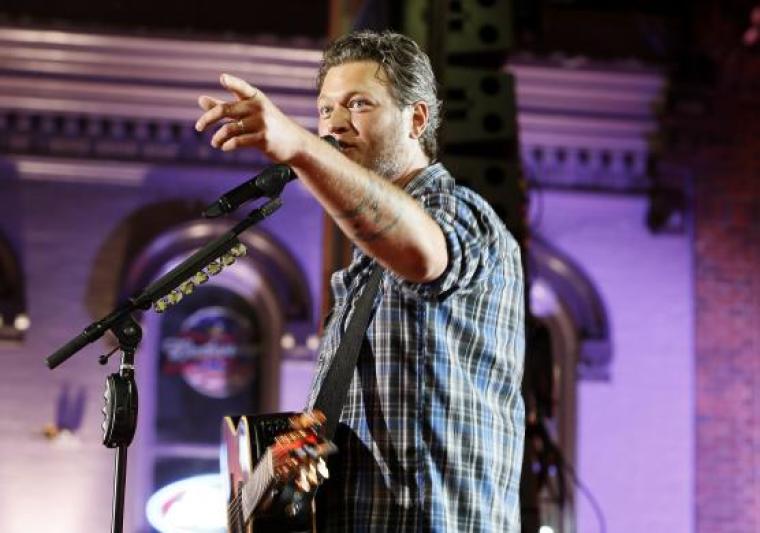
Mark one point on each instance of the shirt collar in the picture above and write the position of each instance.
(424, 177)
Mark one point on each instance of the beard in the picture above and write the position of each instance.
(386, 161)
(387, 156)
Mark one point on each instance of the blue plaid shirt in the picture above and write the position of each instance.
(431, 434)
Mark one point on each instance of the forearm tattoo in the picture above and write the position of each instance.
(370, 219)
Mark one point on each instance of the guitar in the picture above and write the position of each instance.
(287, 449)
(272, 464)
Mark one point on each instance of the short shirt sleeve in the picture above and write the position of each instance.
(472, 232)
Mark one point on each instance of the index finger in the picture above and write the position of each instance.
(240, 88)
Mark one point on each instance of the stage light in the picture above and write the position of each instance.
(288, 342)
(312, 342)
(21, 322)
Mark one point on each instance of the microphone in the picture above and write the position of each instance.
(270, 183)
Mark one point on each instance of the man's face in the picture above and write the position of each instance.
(356, 107)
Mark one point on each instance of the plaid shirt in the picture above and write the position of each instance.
(431, 434)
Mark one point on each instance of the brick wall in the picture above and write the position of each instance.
(727, 288)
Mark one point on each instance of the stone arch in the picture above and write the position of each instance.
(575, 293)
(153, 235)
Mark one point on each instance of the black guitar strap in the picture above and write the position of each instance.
(332, 393)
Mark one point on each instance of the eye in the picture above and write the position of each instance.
(324, 111)
(357, 104)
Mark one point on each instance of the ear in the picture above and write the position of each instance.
(419, 119)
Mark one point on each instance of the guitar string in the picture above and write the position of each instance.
(237, 504)
(276, 456)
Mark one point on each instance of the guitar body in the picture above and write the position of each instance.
(245, 441)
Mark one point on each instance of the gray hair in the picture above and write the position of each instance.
(407, 67)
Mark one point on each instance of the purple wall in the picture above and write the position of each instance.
(635, 432)
(64, 227)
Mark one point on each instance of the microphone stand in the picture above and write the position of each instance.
(121, 390)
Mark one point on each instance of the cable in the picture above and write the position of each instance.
(551, 449)
(585, 490)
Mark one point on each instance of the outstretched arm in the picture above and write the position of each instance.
(377, 215)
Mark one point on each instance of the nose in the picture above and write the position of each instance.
(339, 120)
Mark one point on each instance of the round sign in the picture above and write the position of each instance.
(192, 505)
(213, 352)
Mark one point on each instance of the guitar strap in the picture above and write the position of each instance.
(332, 393)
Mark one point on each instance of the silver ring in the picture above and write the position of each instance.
(240, 126)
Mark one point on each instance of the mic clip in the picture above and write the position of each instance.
(270, 183)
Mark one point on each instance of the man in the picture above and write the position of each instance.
(431, 432)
